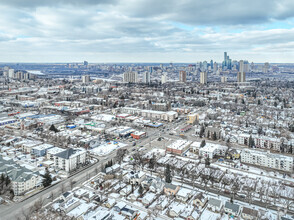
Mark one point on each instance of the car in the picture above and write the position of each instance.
(134, 144)
(133, 149)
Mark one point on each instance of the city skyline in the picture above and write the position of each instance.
(128, 31)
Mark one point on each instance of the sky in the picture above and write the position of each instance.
(162, 31)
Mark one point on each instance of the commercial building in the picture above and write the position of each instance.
(138, 134)
(160, 115)
(183, 76)
(267, 159)
(227, 63)
(215, 67)
(203, 77)
(179, 147)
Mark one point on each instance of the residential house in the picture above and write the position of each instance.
(249, 214)
(199, 200)
(136, 177)
(148, 198)
(157, 185)
(119, 206)
(70, 204)
(233, 154)
(110, 203)
(128, 212)
(170, 189)
(184, 194)
(126, 191)
(214, 205)
(176, 209)
(232, 209)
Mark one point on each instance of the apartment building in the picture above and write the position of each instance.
(267, 159)
(70, 159)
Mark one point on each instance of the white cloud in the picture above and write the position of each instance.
(143, 30)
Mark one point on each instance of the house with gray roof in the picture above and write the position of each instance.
(22, 179)
(249, 213)
(214, 205)
(231, 208)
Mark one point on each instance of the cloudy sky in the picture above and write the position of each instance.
(146, 30)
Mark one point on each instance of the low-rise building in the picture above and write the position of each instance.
(214, 205)
(232, 209)
(138, 134)
(170, 189)
(184, 194)
(249, 214)
(210, 150)
(192, 118)
(41, 150)
(179, 147)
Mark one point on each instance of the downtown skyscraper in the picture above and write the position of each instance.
(227, 63)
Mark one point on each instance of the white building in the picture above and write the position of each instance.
(160, 115)
(70, 159)
(203, 77)
(261, 141)
(224, 79)
(146, 77)
(163, 78)
(85, 78)
(130, 77)
(267, 159)
(210, 150)
(179, 146)
(11, 73)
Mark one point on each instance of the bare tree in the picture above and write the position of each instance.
(26, 213)
(62, 188)
(71, 184)
(38, 205)
(236, 186)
